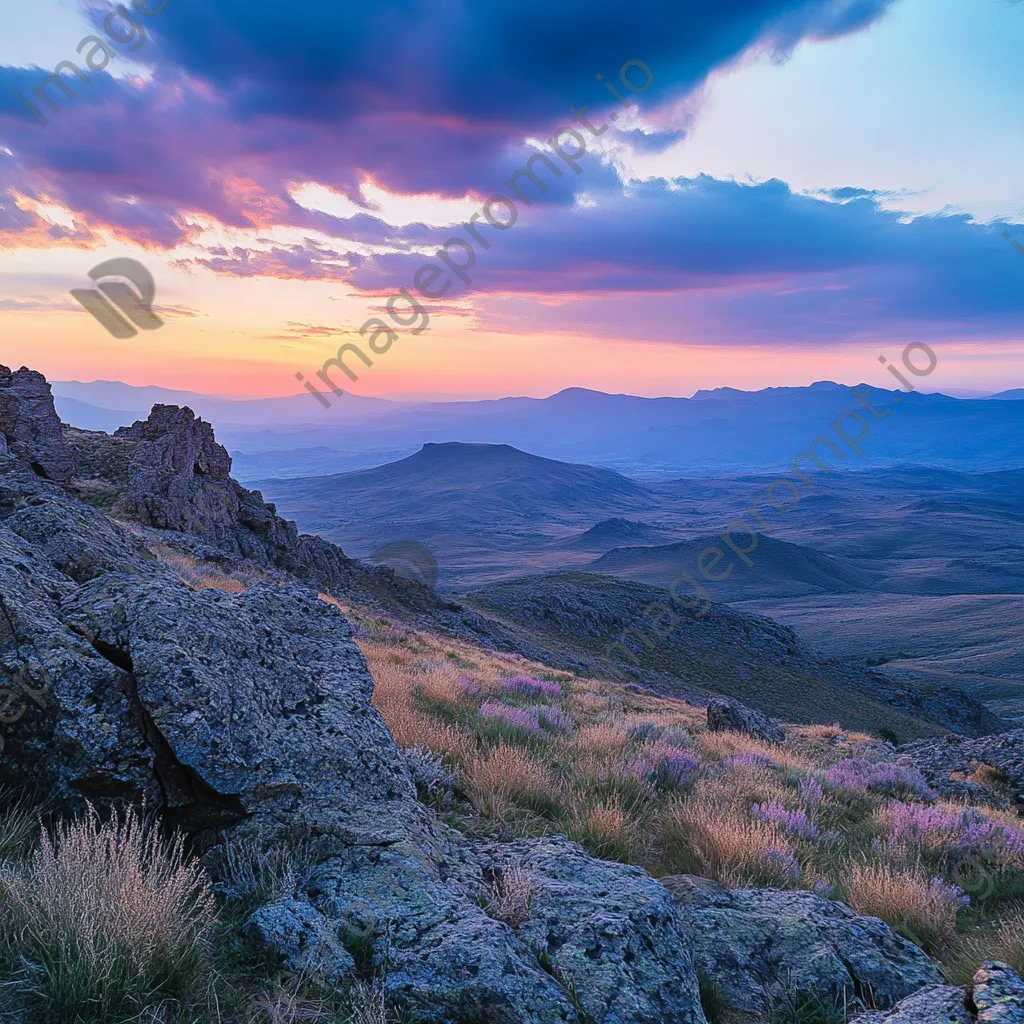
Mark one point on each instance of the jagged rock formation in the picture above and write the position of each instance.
(756, 942)
(29, 426)
(725, 714)
(962, 756)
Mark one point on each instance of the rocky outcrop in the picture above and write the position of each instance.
(995, 996)
(178, 478)
(246, 718)
(759, 944)
(727, 714)
(948, 762)
(30, 428)
(610, 933)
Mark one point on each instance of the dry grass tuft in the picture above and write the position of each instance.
(725, 744)
(105, 918)
(512, 896)
(606, 738)
(504, 773)
(394, 697)
(904, 898)
(710, 834)
(1005, 942)
(608, 829)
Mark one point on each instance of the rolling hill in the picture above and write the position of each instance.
(780, 569)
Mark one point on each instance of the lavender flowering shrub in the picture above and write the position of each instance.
(784, 863)
(529, 688)
(748, 759)
(471, 687)
(879, 777)
(810, 791)
(794, 823)
(538, 720)
(952, 830)
(674, 769)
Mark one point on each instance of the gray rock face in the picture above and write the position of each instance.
(612, 934)
(753, 942)
(29, 424)
(724, 713)
(179, 479)
(247, 717)
(936, 1004)
(997, 994)
(302, 938)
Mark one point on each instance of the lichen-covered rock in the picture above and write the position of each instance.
(610, 933)
(303, 938)
(936, 1004)
(245, 716)
(756, 942)
(997, 994)
(724, 713)
(29, 424)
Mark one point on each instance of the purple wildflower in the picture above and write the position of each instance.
(962, 829)
(783, 861)
(810, 791)
(527, 686)
(639, 768)
(533, 720)
(518, 718)
(470, 685)
(823, 887)
(951, 894)
(675, 769)
(749, 760)
(879, 777)
(793, 823)
(551, 718)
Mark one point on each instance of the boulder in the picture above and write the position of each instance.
(936, 1004)
(759, 943)
(303, 938)
(724, 713)
(608, 932)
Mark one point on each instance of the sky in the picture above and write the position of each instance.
(778, 192)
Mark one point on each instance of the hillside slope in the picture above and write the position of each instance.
(780, 568)
(599, 626)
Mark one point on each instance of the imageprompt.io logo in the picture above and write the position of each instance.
(410, 559)
(134, 303)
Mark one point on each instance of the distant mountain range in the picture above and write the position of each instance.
(714, 433)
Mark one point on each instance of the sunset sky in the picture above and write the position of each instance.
(804, 185)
